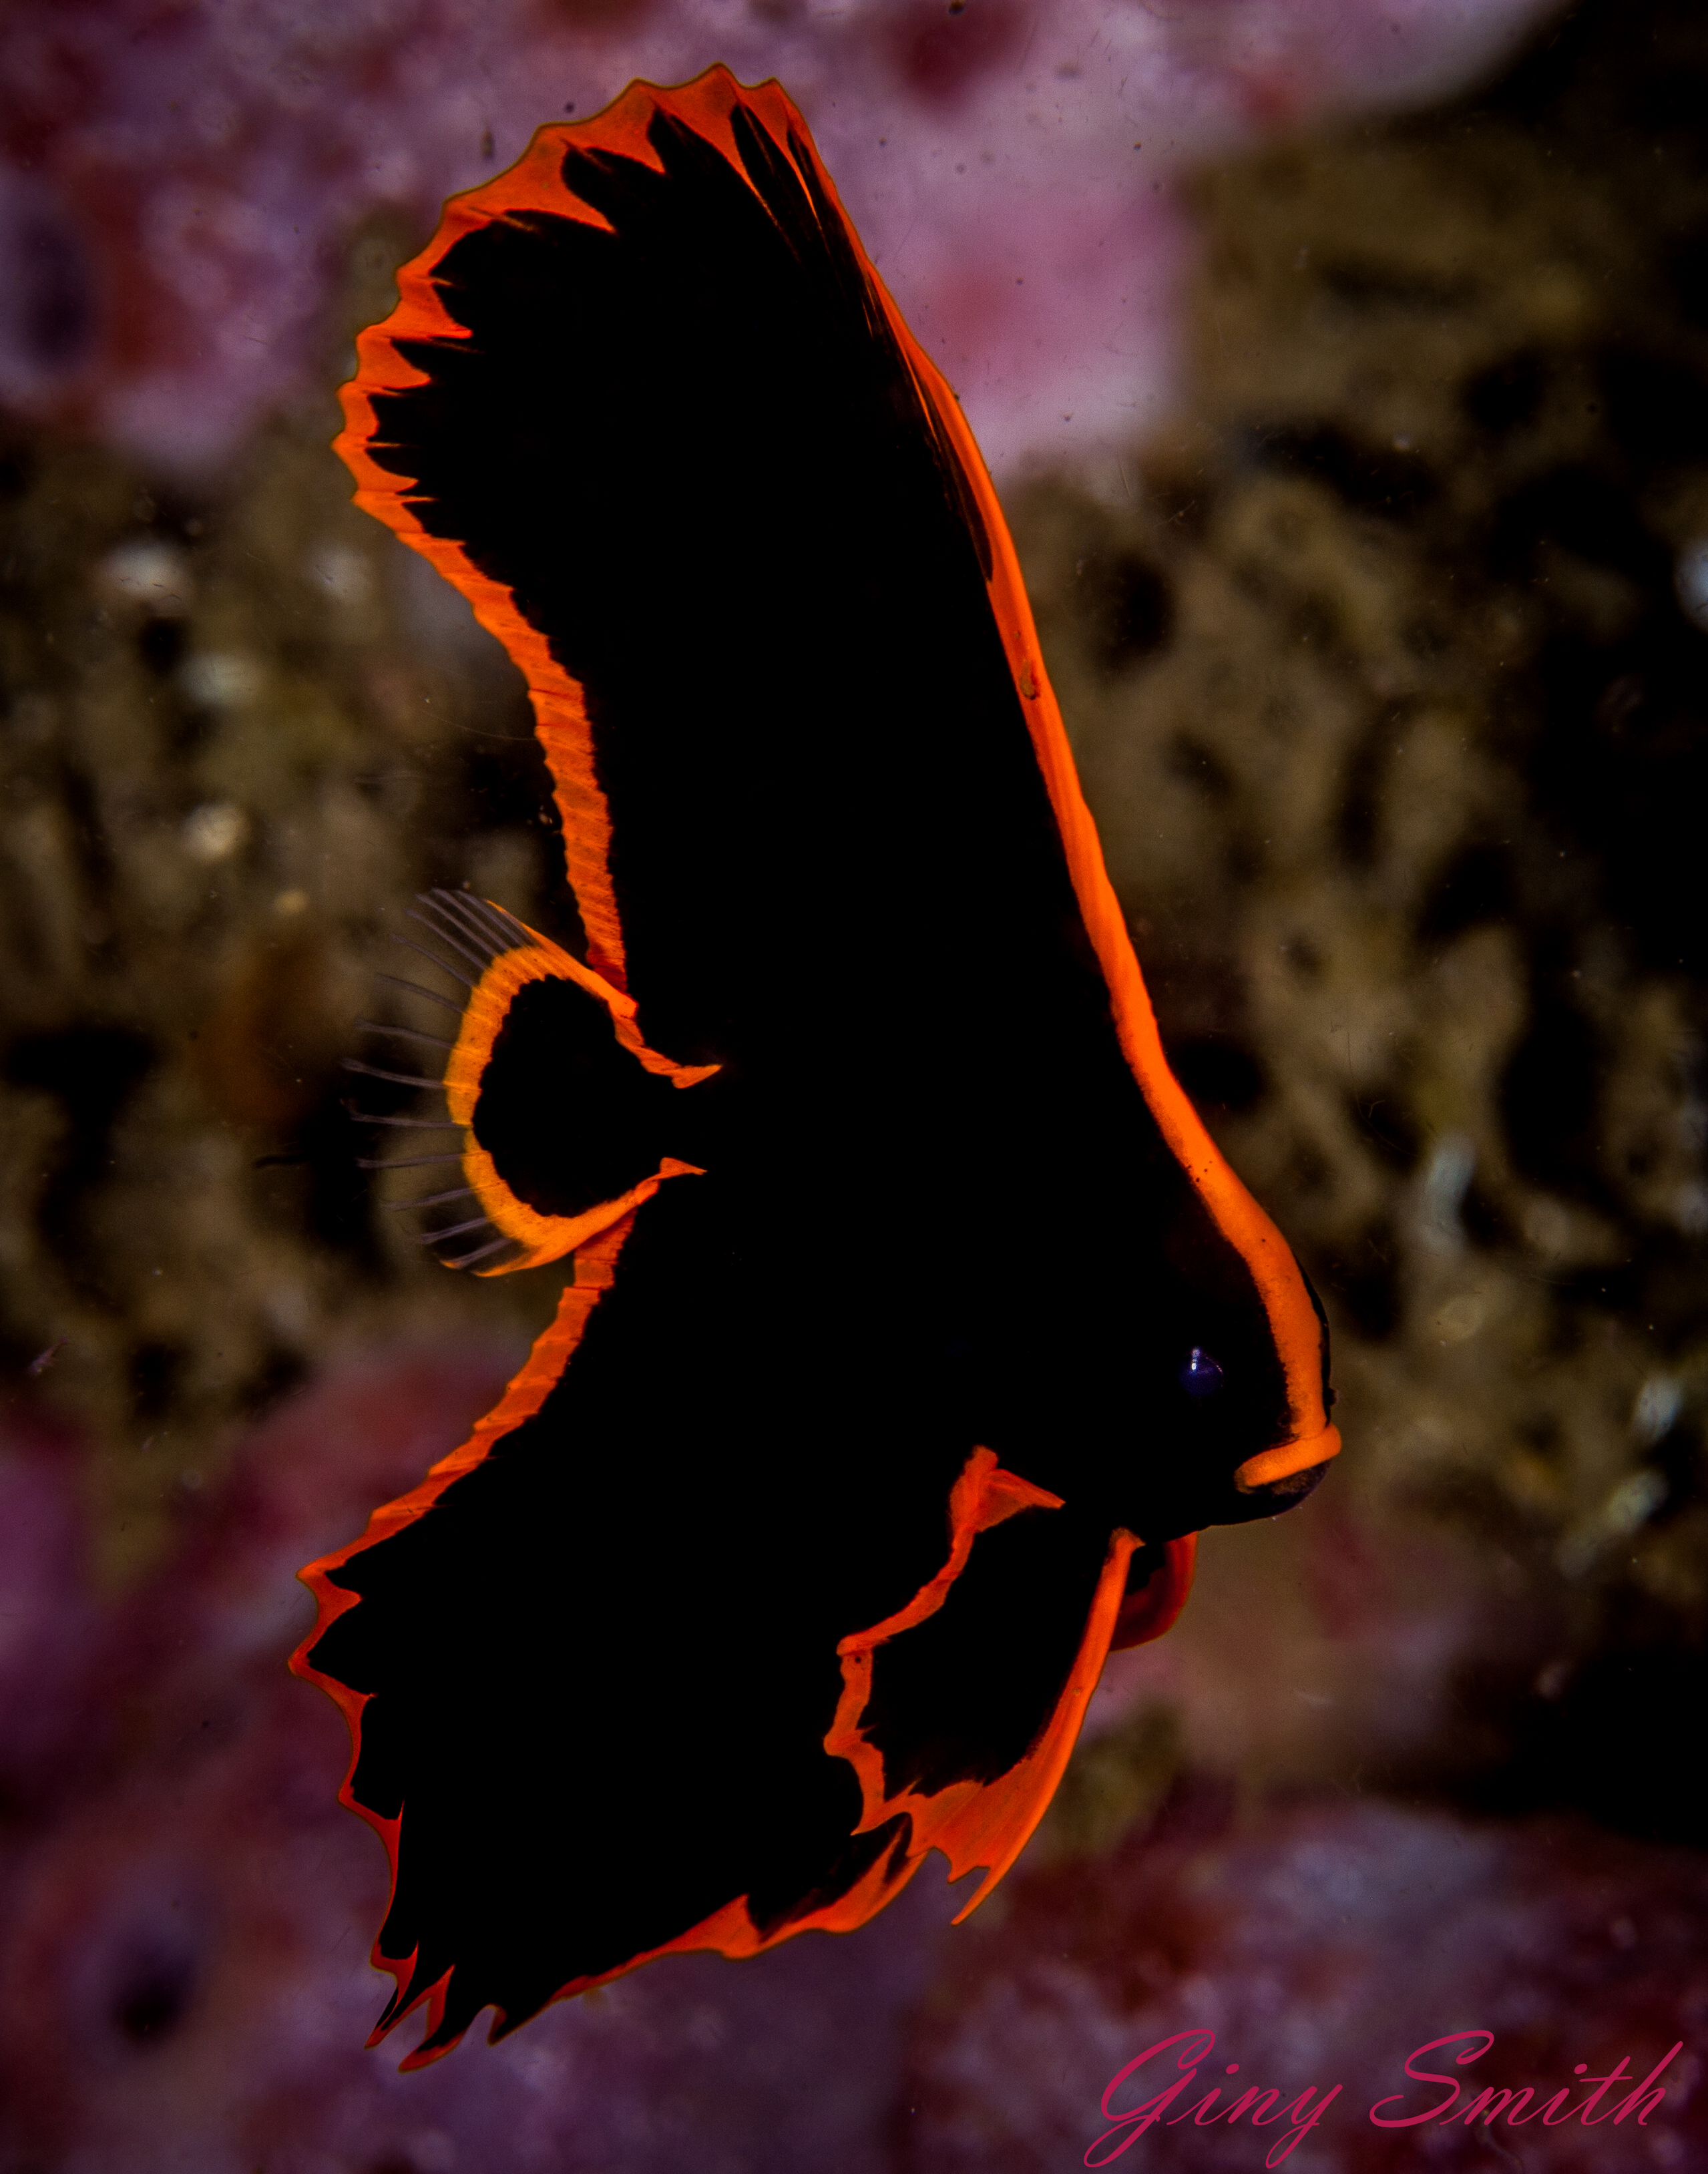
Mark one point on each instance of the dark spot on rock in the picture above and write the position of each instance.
(1611, 1743)
(155, 1371)
(92, 1071)
(1372, 1300)
(152, 1998)
(161, 644)
(1370, 479)
(939, 53)
(1582, 511)
(1485, 1222)
(1475, 888)
(1365, 284)
(279, 1372)
(1506, 397)
(1548, 1100)
(1657, 409)
(1690, 276)
(1200, 765)
(52, 299)
(1127, 606)
(1386, 1124)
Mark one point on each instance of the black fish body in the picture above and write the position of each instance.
(916, 1324)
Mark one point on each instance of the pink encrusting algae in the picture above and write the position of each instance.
(179, 185)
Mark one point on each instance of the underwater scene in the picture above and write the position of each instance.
(1341, 368)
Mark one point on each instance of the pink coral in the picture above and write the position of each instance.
(177, 180)
(45, 1632)
(1321, 1944)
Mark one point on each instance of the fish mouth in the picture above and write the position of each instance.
(1289, 1460)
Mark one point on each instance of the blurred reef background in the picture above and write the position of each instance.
(1384, 648)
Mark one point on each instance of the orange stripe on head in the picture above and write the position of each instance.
(1286, 1458)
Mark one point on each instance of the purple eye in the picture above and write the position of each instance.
(1200, 1376)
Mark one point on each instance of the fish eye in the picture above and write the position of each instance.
(1200, 1376)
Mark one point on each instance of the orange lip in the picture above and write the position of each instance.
(1286, 1458)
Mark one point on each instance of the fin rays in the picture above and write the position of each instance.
(475, 934)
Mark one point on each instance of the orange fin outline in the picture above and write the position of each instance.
(1241, 1221)
(994, 1820)
(983, 1496)
(595, 1268)
(1155, 1608)
(535, 184)
(973, 1823)
(545, 1237)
